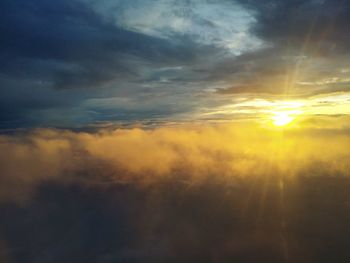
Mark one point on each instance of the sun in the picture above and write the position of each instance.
(282, 118)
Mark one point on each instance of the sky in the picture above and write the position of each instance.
(83, 63)
(174, 131)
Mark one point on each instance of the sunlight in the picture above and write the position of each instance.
(282, 118)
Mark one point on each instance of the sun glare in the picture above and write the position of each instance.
(282, 118)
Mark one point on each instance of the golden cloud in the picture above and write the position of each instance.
(190, 153)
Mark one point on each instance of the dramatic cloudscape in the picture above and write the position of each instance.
(80, 63)
(175, 131)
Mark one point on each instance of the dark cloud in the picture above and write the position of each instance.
(58, 57)
(308, 42)
(68, 45)
(74, 42)
(323, 23)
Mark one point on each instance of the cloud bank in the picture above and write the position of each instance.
(188, 193)
(185, 152)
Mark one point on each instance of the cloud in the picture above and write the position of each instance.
(73, 59)
(188, 153)
(177, 194)
(323, 23)
(305, 43)
(69, 52)
(67, 45)
(222, 24)
(27, 161)
(231, 192)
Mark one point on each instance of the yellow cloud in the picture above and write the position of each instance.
(190, 153)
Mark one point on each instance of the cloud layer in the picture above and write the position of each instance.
(186, 152)
(177, 194)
